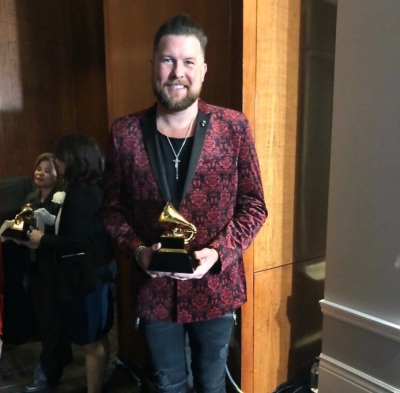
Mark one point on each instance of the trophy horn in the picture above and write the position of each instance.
(25, 216)
(170, 215)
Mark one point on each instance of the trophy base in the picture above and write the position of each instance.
(15, 234)
(171, 261)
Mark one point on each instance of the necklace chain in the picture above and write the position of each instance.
(176, 161)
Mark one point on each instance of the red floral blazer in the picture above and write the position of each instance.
(222, 197)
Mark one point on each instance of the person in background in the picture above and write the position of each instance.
(84, 267)
(201, 158)
(56, 349)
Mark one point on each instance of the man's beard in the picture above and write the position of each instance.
(176, 106)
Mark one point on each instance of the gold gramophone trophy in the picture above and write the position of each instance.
(21, 224)
(172, 256)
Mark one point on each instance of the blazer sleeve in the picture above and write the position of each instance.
(250, 211)
(115, 209)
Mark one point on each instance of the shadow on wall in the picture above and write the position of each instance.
(312, 183)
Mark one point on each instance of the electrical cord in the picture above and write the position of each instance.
(118, 363)
(232, 380)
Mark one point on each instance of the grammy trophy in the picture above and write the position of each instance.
(172, 257)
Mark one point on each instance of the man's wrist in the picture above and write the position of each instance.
(138, 251)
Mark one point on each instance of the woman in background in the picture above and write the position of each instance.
(56, 349)
(84, 266)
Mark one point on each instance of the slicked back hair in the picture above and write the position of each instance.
(180, 25)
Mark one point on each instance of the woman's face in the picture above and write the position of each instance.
(45, 174)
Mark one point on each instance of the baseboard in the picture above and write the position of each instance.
(353, 379)
(348, 379)
(364, 321)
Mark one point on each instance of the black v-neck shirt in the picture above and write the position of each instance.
(175, 185)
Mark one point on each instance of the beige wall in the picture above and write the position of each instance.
(361, 340)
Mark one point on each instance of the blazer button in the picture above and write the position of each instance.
(203, 123)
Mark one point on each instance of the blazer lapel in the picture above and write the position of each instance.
(152, 146)
(202, 124)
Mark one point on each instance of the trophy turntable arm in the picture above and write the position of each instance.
(179, 232)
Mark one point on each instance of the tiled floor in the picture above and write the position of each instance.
(18, 361)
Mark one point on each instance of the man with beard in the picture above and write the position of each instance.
(201, 159)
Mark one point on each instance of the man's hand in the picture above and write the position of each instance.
(145, 260)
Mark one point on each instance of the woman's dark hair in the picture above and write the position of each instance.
(83, 159)
(180, 25)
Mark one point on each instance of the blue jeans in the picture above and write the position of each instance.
(209, 345)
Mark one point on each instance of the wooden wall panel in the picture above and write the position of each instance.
(278, 39)
(270, 53)
(87, 22)
(41, 50)
(249, 105)
(287, 323)
(52, 77)
(282, 322)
